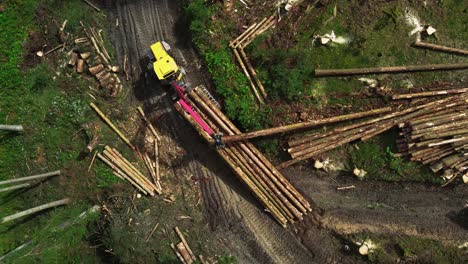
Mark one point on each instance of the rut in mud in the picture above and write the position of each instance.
(234, 215)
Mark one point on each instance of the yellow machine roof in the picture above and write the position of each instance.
(164, 66)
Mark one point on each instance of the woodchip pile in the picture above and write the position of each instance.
(273, 190)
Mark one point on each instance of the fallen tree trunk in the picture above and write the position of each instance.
(29, 178)
(425, 45)
(394, 69)
(304, 125)
(35, 210)
(111, 125)
(16, 187)
(430, 93)
(14, 128)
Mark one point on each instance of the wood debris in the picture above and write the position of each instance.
(273, 190)
(238, 45)
(30, 178)
(393, 69)
(434, 133)
(35, 210)
(183, 251)
(126, 171)
(13, 128)
(430, 46)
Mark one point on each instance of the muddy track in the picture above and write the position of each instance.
(234, 215)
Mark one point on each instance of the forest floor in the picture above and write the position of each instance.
(408, 221)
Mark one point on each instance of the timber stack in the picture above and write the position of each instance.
(273, 190)
(238, 45)
(433, 139)
(90, 53)
(438, 139)
(124, 170)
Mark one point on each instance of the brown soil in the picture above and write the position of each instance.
(237, 221)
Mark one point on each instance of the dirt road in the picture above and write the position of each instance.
(235, 217)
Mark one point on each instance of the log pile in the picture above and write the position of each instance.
(238, 45)
(273, 190)
(310, 146)
(124, 170)
(182, 249)
(438, 139)
(90, 54)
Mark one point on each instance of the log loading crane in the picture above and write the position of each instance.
(170, 73)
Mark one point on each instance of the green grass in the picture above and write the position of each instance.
(52, 109)
(376, 157)
(391, 249)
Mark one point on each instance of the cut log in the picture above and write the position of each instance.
(425, 45)
(73, 59)
(85, 55)
(92, 5)
(112, 126)
(430, 93)
(13, 128)
(80, 66)
(182, 238)
(394, 69)
(16, 187)
(148, 123)
(304, 125)
(30, 178)
(35, 210)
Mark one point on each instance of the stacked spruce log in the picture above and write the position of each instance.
(238, 45)
(273, 190)
(439, 139)
(124, 170)
(91, 53)
(440, 143)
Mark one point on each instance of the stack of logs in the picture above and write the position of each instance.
(91, 53)
(439, 139)
(124, 170)
(238, 46)
(274, 191)
(427, 141)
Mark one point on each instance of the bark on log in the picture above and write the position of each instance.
(111, 125)
(253, 73)
(96, 69)
(249, 78)
(148, 123)
(304, 125)
(73, 59)
(425, 45)
(430, 93)
(182, 238)
(226, 154)
(35, 210)
(231, 129)
(16, 187)
(14, 128)
(30, 178)
(394, 69)
(80, 66)
(92, 5)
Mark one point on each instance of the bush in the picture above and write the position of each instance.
(230, 83)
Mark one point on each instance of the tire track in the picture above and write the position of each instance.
(231, 210)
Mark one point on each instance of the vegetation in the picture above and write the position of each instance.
(52, 107)
(376, 157)
(230, 83)
(390, 249)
